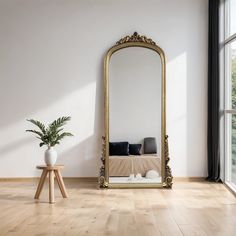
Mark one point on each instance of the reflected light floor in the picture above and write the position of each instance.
(135, 180)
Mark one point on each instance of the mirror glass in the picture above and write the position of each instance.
(135, 116)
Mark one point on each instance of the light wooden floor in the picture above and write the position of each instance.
(188, 209)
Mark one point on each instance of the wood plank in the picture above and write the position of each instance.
(190, 208)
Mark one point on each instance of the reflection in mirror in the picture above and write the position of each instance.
(135, 116)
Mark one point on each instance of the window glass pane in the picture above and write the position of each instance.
(233, 154)
(231, 148)
(232, 16)
(232, 72)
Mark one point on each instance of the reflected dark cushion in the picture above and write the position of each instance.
(135, 149)
(118, 148)
(150, 145)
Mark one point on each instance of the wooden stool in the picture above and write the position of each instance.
(51, 170)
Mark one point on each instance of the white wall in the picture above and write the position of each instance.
(51, 65)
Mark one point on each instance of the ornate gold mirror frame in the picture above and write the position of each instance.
(134, 40)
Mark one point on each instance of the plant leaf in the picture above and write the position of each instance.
(35, 132)
(58, 131)
(61, 136)
(38, 124)
(56, 124)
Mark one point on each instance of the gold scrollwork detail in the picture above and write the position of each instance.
(168, 175)
(102, 180)
(136, 38)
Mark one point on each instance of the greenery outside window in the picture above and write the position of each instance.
(230, 91)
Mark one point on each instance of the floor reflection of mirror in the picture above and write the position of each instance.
(128, 180)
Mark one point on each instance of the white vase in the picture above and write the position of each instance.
(50, 156)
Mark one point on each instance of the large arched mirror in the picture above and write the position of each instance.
(135, 149)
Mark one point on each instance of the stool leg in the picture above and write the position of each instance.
(51, 186)
(40, 184)
(61, 183)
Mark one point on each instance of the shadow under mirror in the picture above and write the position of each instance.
(135, 116)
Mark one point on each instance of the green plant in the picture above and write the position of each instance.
(51, 135)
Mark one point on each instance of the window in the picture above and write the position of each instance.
(229, 45)
(232, 17)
